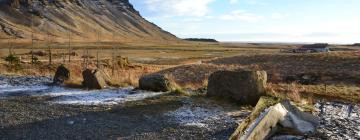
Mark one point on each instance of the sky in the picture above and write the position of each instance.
(331, 21)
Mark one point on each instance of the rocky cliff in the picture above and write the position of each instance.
(84, 20)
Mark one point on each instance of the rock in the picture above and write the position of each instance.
(155, 82)
(263, 103)
(244, 86)
(282, 117)
(39, 53)
(308, 79)
(95, 79)
(62, 74)
(287, 137)
(71, 122)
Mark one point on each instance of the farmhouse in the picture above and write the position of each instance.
(313, 48)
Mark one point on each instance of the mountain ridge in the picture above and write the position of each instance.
(84, 20)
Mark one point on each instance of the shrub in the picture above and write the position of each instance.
(35, 60)
(12, 59)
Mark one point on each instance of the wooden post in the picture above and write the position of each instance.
(13, 43)
(69, 46)
(325, 88)
(97, 49)
(10, 46)
(84, 58)
(32, 38)
(64, 57)
(49, 49)
(87, 58)
(48, 42)
(113, 55)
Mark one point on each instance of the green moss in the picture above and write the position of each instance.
(180, 92)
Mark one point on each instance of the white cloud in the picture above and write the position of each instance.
(279, 16)
(255, 2)
(242, 16)
(179, 7)
(233, 1)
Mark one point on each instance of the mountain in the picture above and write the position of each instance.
(84, 20)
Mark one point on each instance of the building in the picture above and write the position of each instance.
(313, 48)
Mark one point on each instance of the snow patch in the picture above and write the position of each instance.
(77, 96)
(199, 116)
(104, 97)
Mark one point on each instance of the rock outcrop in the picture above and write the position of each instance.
(62, 75)
(95, 79)
(283, 117)
(155, 82)
(244, 86)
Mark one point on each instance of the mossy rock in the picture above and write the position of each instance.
(156, 82)
(246, 87)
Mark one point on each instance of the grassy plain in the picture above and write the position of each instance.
(191, 64)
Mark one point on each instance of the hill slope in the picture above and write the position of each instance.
(86, 20)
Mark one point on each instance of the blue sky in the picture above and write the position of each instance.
(333, 21)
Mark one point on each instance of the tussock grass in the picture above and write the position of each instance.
(308, 93)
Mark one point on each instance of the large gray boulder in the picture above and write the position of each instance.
(244, 86)
(62, 74)
(95, 79)
(155, 82)
(280, 118)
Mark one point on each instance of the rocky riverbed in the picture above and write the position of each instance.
(31, 109)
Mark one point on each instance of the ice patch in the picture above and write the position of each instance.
(202, 125)
(77, 96)
(189, 115)
(104, 97)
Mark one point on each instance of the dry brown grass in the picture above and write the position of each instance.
(130, 77)
(335, 67)
(340, 67)
(121, 77)
(308, 93)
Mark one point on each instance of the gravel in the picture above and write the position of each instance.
(37, 114)
(339, 120)
(29, 109)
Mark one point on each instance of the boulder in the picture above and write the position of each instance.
(62, 74)
(308, 79)
(281, 118)
(244, 86)
(155, 82)
(95, 79)
(305, 79)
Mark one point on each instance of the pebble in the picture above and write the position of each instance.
(71, 122)
(338, 120)
(25, 80)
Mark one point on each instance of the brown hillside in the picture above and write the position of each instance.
(84, 19)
